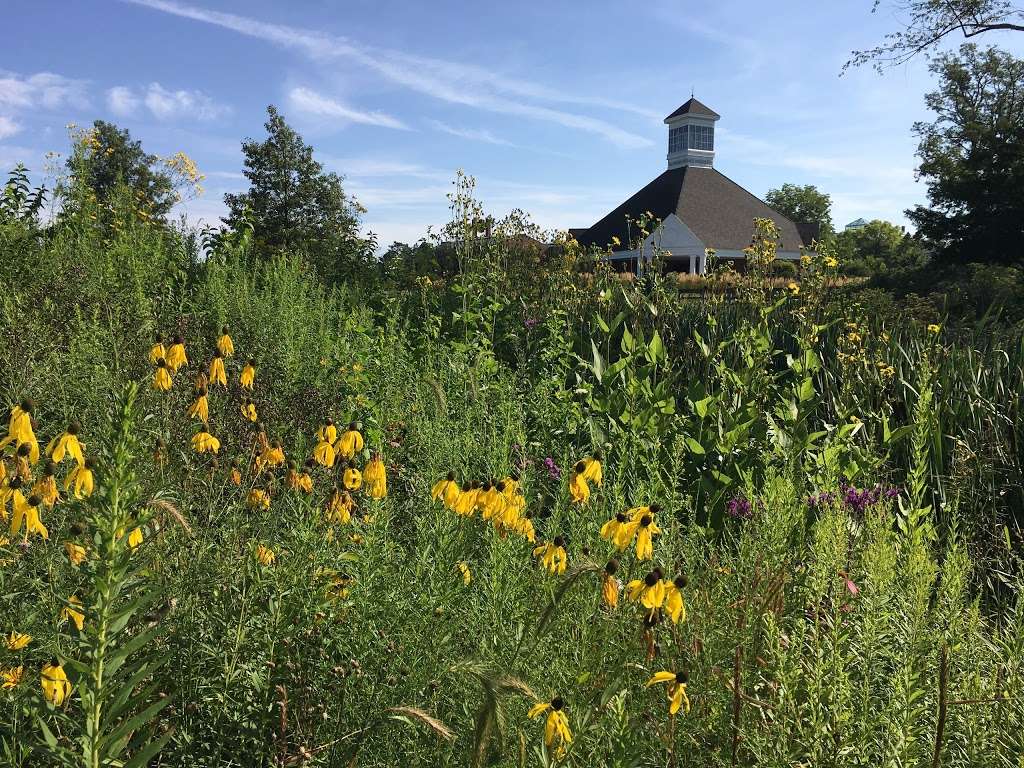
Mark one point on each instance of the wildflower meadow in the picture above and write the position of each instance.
(526, 512)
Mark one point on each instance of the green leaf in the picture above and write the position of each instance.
(694, 446)
(806, 390)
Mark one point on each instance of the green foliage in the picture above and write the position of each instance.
(878, 247)
(803, 205)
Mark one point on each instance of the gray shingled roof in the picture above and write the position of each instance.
(693, 107)
(718, 210)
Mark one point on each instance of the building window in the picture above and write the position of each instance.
(685, 137)
(677, 139)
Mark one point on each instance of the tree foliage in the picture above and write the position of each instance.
(929, 22)
(294, 205)
(878, 247)
(803, 204)
(972, 158)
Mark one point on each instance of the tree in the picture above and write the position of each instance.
(803, 205)
(931, 21)
(106, 156)
(877, 248)
(972, 159)
(294, 206)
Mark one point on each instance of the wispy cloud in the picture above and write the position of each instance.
(44, 90)
(122, 101)
(473, 134)
(452, 82)
(313, 103)
(8, 127)
(164, 104)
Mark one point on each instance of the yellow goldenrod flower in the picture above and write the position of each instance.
(17, 640)
(258, 497)
(578, 488)
(324, 453)
(352, 477)
(217, 373)
(675, 605)
(552, 555)
(224, 344)
(376, 478)
(162, 376)
(265, 555)
(467, 575)
(592, 469)
(75, 552)
(46, 486)
(650, 590)
(350, 443)
(676, 689)
(66, 444)
(157, 350)
(248, 374)
(71, 612)
(175, 357)
(12, 676)
(200, 409)
(610, 585)
(248, 409)
(934, 328)
(55, 684)
(447, 490)
(328, 433)
(339, 507)
(204, 442)
(556, 727)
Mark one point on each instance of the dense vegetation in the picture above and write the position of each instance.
(830, 484)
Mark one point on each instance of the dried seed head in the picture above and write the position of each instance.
(651, 579)
(557, 703)
(611, 567)
(680, 582)
(451, 477)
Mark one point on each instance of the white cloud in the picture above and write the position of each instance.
(168, 105)
(8, 127)
(473, 134)
(309, 101)
(121, 101)
(452, 82)
(42, 90)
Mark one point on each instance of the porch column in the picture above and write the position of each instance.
(693, 265)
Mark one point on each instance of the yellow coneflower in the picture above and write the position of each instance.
(23, 462)
(676, 689)
(328, 433)
(17, 640)
(217, 373)
(511, 485)
(76, 552)
(200, 408)
(258, 497)
(610, 585)
(467, 575)
(650, 590)
(447, 490)
(578, 488)
(82, 479)
(175, 357)
(323, 453)
(46, 486)
(248, 374)
(350, 443)
(552, 555)
(675, 605)
(12, 491)
(248, 409)
(19, 427)
(157, 350)
(235, 475)
(352, 477)
(556, 727)
(162, 376)
(616, 531)
(306, 476)
(26, 512)
(55, 684)
(265, 555)
(271, 456)
(204, 442)
(592, 468)
(524, 527)
(224, 344)
(376, 478)
(490, 502)
(67, 444)
(71, 612)
(159, 452)
(645, 528)
(339, 507)
(291, 477)
(12, 676)
(466, 503)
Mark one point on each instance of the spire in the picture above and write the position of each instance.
(691, 135)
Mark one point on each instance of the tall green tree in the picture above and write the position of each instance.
(107, 156)
(879, 247)
(803, 204)
(293, 205)
(972, 158)
(926, 23)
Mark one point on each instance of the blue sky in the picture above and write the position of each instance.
(555, 107)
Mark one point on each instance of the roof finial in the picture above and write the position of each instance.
(691, 91)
